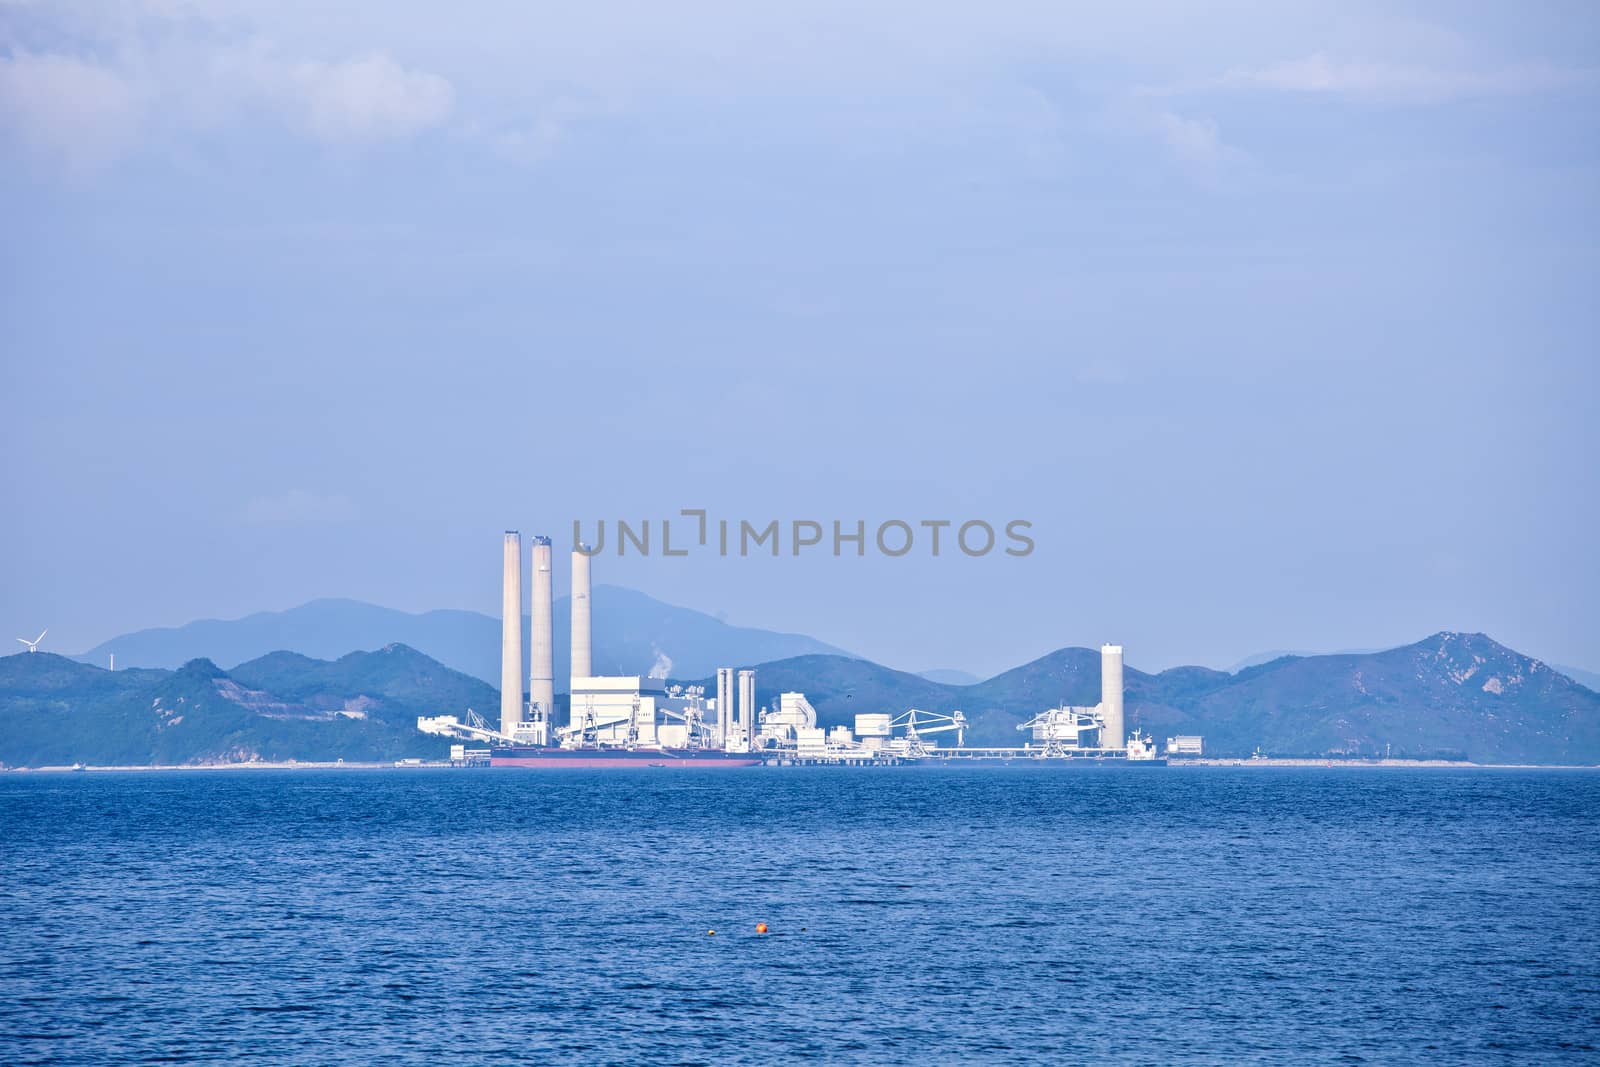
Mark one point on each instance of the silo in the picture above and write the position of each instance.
(747, 707)
(1112, 733)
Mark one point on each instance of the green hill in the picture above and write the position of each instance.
(283, 706)
(1449, 693)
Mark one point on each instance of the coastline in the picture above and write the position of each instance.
(1309, 761)
(258, 765)
(1204, 761)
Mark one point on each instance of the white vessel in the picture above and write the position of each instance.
(1142, 749)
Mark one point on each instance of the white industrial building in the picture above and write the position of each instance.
(617, 710)
(1186, 745)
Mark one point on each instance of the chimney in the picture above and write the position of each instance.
(541, 652)
(511, 635)
(724, 704)
(582, 667)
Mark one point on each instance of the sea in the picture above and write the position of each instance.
(1009, 915)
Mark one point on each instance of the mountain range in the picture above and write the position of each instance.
(1451, 694)
(632, 634)
(54, 710)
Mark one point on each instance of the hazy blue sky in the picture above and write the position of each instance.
(1279, 325)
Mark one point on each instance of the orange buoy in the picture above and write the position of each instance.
(761, 928)
(711, 933)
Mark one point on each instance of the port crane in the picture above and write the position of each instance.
(693, 714)
(1060, 729)
(586, 732)
(918, 724)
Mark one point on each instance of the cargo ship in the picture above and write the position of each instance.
(596, 757)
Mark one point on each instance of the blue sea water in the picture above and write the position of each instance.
(1187, 915)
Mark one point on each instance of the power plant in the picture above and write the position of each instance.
(636, 720)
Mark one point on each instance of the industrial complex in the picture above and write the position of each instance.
(628, 720)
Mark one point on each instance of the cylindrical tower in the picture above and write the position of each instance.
(1112, 733)
(582, 667)
(541, 648)
(511, 635)
(747, 707)
(724, 704)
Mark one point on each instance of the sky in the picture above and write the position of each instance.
(1277, 323)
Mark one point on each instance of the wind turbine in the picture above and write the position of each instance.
(33, 646)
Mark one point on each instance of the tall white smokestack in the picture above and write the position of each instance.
(724, 704)
(582, 666)
(541, 651)
(511, 635)
(747, 706)
(1112, 734)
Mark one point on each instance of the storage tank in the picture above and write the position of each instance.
(872, 724)
(810, 741)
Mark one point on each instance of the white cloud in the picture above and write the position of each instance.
(1320, 74)
(1194, 141)
(300, 507)
(72, 112)
(369, 99)
(79, 115)
(368, 71)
